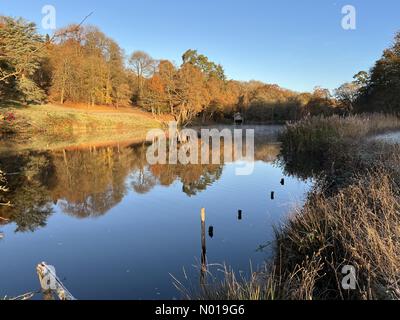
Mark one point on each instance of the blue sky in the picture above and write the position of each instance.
(296, 44)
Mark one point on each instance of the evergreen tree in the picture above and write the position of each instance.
(21, 52)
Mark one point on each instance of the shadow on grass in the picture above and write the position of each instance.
(7, 104)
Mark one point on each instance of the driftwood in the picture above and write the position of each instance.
(8, 204)
(26, 296)
(50, 283)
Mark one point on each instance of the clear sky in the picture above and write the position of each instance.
(296, 44)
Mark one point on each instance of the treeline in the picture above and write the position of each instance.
(379, 90)
(80, 64)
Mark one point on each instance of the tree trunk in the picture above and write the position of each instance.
(62, 96)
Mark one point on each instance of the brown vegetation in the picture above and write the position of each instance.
(358, 226)
(69, 121)
(351, 218)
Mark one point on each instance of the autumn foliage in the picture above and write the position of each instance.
(80, 64)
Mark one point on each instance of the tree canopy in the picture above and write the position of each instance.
(379, 90)
(20, 59)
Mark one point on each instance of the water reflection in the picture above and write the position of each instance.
(117, 227)
(30, 179)
(89, 182)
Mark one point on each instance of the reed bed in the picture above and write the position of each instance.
(351, 218)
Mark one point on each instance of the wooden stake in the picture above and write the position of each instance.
(203, 215)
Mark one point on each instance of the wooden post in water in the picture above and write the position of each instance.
(211, 232)
(203, 248)
(203, 215)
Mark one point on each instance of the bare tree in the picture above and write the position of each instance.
(347, 94)
(144, 66)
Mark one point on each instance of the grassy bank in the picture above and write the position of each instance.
(351, 218)
(67, 120)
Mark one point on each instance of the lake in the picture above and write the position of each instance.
(115, 227)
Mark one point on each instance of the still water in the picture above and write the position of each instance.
(117, 228)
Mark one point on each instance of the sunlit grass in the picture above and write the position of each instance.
(50, 126)
(56, 118)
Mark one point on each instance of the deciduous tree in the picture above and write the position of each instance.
(144, 66)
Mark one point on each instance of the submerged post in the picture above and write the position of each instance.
(211, 232)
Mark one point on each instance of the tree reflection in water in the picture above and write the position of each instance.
(89, 182)
(29, 177)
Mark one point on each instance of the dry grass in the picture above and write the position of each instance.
(63, 120)
(259, 286)
(315, 135)
(352, 217)
(359, 226)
